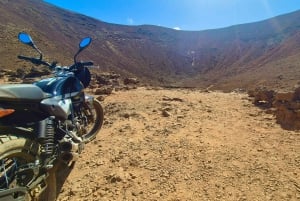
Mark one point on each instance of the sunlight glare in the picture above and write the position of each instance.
(271, 13)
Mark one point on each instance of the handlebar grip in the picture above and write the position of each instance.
(24, 58)
(79, 65)
(34, 60)
(88, 63)
(31, 59)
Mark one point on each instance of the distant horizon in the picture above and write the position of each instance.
(188, 15)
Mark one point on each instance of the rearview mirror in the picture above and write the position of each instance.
(25, 38)
(85, 42)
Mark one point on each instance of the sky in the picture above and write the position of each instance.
(191, 15)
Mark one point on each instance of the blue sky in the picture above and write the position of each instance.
(180, 14)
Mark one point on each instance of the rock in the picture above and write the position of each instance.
(106, 90)
(263, 98)
(108, 78)
(113, 178)
(131, 81)
(284, 97)
(297, 94)
(34, 72)
(126, 115)
(165, 113)
(172, 99)
(286, 106)
(100, 98)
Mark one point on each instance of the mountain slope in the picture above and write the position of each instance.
(243, 56)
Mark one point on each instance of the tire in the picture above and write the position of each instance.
(50, 193)
(95, 122)
(16, 151)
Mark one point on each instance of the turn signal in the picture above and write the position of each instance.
(5, 112)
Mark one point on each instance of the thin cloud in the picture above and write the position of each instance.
(177, 28)
(130, 21)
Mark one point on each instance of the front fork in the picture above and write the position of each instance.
(89, 101)
(88, 108)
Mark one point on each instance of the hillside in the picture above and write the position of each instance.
(265, 53)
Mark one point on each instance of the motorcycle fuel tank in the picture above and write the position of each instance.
(61, 86)
(64, 90)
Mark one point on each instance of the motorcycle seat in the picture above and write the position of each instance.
(21, 92)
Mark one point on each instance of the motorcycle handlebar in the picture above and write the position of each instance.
(37, 61)
(34, 60)
(87, 63)
(79, 65)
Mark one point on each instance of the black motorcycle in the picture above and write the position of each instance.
(44, 126)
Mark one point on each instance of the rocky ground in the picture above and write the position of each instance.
(159, 144)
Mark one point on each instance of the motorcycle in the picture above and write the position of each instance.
(44, 126)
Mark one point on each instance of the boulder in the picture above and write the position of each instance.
(131, 80)
(262, 97)
(286, 106)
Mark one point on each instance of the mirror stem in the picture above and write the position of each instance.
(39, 51)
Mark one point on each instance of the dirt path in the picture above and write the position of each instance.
(186, 145)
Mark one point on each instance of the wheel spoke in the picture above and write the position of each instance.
(8, 168)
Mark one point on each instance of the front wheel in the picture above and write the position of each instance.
(94, 121)
(17, 159)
